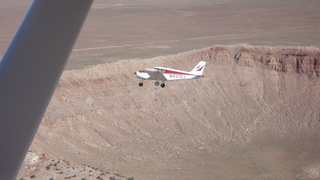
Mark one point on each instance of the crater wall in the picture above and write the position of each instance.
(255, 115)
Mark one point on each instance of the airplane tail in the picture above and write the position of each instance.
(198, 69)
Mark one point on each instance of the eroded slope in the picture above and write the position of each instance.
(255, 115)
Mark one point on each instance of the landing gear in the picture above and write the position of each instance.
(157, 83)
(162, 84)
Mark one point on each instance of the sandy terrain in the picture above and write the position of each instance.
(169, 28)
(142, 29)
(255, 115)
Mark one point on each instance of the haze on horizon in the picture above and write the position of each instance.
(142, 29)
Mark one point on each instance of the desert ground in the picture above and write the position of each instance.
(255, 114)
(143, 29)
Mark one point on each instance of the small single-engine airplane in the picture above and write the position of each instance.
(167, 74)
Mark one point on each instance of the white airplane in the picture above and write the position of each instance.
(167, 74)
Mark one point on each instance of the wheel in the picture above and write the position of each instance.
(140, 84)
(163, 85)
(157, 83)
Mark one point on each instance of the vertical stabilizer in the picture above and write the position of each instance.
(198, 69)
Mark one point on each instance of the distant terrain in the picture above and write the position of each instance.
(127, 31)
(142, 29)
(255, 115)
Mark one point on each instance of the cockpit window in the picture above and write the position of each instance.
(158, 68)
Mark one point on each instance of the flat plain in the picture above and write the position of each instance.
(255, 115)
(141, 29)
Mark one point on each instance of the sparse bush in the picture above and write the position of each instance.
(130, 178)
(119, 175)
(33, 176)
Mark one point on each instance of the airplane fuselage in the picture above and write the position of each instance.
(167, 74)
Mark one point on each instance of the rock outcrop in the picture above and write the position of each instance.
(295, 59)
(302, 60)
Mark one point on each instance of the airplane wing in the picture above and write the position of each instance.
(29, 72)
(156, 75)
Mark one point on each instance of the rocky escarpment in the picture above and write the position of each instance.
(302, 60)
(255, 115)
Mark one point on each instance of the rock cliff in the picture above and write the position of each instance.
(302, 60)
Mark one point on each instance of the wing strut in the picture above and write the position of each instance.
(29, 72)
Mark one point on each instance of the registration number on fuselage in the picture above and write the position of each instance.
(177, 76)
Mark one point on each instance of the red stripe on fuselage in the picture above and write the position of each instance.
(176, 72)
